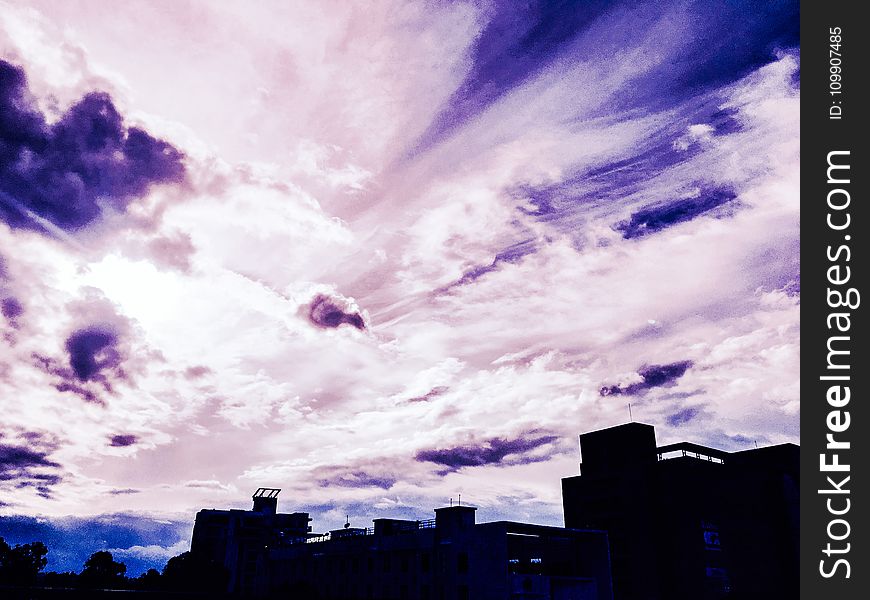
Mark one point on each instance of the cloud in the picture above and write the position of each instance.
(515, 45)
(92, 350)
(151, 554)
(327, 312)
(197, 372)
(28, 467)
(651, 376)
(11, 308)
(355, 478)
(122, 440)
(651, 219)
(95, 356)
(67, 174)
(683, 416)
(527, 448)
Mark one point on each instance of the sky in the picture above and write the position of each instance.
(381, 254)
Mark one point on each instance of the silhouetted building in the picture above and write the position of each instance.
(446, 558)
(687, 522)
(241, 539)
(450, 557)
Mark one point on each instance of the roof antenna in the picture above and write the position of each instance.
(630, 418)
(451, 502)
(756, 444)
(460, 499)
(346, 521)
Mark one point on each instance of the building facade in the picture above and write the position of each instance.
(450, 557)
(686, 521)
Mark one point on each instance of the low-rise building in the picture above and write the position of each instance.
(450, 557)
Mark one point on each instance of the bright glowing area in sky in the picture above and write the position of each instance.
(144, 293)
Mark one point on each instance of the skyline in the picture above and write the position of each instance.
(380, 258)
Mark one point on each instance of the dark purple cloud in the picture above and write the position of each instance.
(122, 440)
(11, 308)
(651, 219)
(91, 350)
(26, 467)
(67, 171)
(328, 313)
(683, 416)
(493, 451)
(88, 395)
(652, 376)
(94, 360)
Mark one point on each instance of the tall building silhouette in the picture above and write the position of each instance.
(688, 522)
(240, 540)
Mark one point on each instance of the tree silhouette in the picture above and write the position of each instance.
(188, 572)
(101, 570)
(21, 564)
(149, 580)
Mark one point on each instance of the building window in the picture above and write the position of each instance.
(712, 541)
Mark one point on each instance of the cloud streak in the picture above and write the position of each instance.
(651, 376)
(523, 449)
